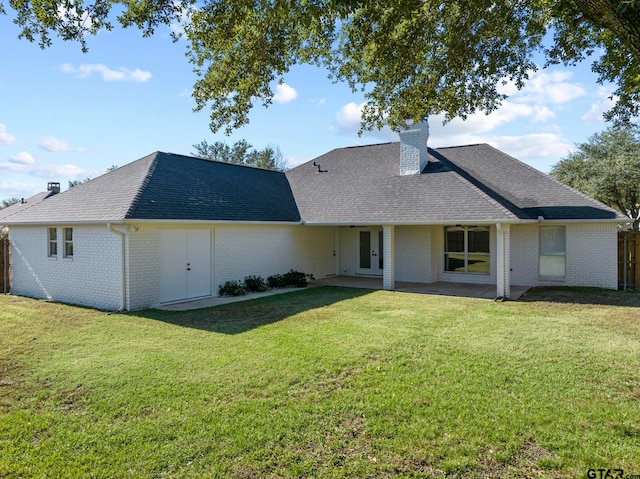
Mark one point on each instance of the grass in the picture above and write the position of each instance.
(325, 382)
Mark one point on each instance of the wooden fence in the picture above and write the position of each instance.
(629, 260)
(4, 266)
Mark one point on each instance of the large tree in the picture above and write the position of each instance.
(411, 58)
(241, 153)
(607, 167)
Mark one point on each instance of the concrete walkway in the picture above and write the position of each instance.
(440, 288)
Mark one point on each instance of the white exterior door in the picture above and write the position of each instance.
(185, 264)
(369, 259)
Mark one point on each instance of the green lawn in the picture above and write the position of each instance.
(325, 382)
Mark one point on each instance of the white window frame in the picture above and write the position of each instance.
(67, 243)
(52, 243)
(547, 255)
(466, 251)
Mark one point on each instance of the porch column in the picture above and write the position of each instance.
(389, 260)
(503, 261)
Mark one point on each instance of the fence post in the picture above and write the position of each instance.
(4, 266)
(624, 261)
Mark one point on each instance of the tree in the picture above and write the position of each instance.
(74, 183)
(8, 202)
(411, 58)
(607, 167)
(240, 153)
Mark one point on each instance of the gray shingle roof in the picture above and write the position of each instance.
(165, 186)
(359, 185)
(22, 205)
(461, 184)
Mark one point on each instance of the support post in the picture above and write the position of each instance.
(503, 262)
(389, 260)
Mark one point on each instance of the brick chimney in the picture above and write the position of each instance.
(413, 147)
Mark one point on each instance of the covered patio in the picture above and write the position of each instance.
(441, 288)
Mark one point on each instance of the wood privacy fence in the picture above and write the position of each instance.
(629, 260)
(4, 265)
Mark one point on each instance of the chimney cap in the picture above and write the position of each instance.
(53, 186)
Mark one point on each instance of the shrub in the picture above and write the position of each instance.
(276, 281)
(255, 284)
(232, 288)
(296, 279)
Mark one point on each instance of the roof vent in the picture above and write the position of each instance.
(53, 187)
(413, 147)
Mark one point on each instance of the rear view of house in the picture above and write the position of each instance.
(170, 227)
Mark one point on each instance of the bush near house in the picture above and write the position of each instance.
(232, 288)
(257, 284)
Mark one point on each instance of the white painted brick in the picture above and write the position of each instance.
(91, 277)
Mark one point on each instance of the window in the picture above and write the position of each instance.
(466, 249)
(53, 242)
(552, 251)
(68, 242)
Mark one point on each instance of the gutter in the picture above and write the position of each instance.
(610, 220)
(123, 265)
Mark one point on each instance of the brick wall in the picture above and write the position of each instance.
(91, 277)
(591, 256)
(413, 247)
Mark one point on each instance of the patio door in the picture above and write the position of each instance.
(369, 258)
(185, 264)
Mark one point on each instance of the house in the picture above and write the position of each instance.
(169, 227)
(52, 189)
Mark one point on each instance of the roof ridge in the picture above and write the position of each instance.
(462, 176)
(191, 157)
(558, 182)
(145, 182)
(460, 146)
(28, 205)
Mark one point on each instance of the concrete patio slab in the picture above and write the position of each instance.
(441, 288)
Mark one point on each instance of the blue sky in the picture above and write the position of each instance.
(66, 115)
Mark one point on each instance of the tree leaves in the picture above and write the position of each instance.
(411, 58)
(607, 167)
(240, 153)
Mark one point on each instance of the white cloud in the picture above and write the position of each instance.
(457, 131)
(17, 188)
(284, 93)
(51, 143)
(70, 16)
(292, 162)
(22, 158)
(108, 75)
(319, 102)
(6, 137)
(535, 145)
(544, 88)
(606, 101)
(48, 171)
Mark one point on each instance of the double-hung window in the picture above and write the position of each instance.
(52, 236)
(553, 251)
(467, 249)
(68, 242)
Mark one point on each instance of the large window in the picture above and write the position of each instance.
(68, 242)
(552, 251)
(467, 249)
(52, 236)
